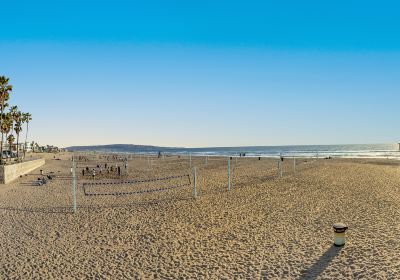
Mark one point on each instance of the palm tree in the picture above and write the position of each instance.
(18, 128)
(5, 128)
(13, 116)
(13, 113)
(10, 123)
(26, 119)
(5, 90)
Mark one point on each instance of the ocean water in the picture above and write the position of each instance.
(390, 151)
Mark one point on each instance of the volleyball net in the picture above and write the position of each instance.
(135, 187)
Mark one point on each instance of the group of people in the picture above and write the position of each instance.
(43, 180)
(81, 158)
(106, 168)
(113, 158)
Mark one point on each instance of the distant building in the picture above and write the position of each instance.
(21, 146)
(31, 147)
(47, 149)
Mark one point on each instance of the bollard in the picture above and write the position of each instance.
(339, 234)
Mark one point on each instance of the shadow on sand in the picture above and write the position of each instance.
(317, 268)
(45, 210)
(69, 210)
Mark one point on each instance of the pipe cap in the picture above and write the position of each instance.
(339, 227)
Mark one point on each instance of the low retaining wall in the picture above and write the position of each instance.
(9, 173)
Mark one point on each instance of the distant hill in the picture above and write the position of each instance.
(120, 148)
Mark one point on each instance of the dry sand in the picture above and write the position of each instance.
(266, 227)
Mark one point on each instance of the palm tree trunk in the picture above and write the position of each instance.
(26, 136)
(2, 143)
(9, 148)
(2, 134)
(18, 147)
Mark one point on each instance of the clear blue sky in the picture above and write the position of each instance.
(205, 73)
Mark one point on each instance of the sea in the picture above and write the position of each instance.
(386, 151)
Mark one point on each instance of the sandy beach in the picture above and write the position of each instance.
(266, 227)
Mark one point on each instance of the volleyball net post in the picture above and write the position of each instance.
(280, 173)
(294, 164)
(73, 170)
(229, 173)
(194, 182)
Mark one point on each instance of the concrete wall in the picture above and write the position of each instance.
(9, 173)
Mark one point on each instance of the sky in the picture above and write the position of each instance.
(204, 73)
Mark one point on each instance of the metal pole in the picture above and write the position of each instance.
(229, 173)
(206, 160)
(294, 164)
(148, 161)
(74, 184)
(195, 182)
(279, 165)
(190, 160)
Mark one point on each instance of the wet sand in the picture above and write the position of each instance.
(266, 227)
